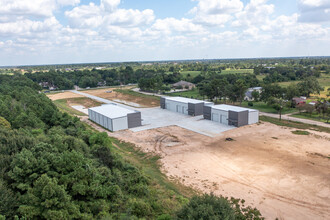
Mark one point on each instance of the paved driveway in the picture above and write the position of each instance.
(157, 117)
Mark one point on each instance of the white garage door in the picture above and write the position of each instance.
(215, 117)
(224, 120)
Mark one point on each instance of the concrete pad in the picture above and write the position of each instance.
(81, 109)
(157, 117)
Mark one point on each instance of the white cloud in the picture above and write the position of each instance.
(27, 27)
(170, 25)
(107, 13)
(314, 10)
(36, 8)
(215, 12)
(256, 12)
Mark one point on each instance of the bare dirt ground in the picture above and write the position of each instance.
(63, 95)
(123, 98)
(282, 174)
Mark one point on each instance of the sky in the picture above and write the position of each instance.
(87, 31)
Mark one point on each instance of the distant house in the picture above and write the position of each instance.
(313, 103)
(248, 93)
(299, 100)
(184, 85)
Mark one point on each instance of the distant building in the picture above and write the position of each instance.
(183, 105)
(248, 93)
(231, 115)
(299, 100)
(184, 85)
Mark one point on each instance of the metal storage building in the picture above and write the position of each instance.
(231, 115)
(115, 118)
(183, 105)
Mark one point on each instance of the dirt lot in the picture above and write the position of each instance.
(63, 95)
(128, 99)
(282, 174)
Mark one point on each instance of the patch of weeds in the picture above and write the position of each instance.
(300, 132)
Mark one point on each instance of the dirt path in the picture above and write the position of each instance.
(284, 175)
(288, 117)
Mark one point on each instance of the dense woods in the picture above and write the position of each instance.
(54, 167)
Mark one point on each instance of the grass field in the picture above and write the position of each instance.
(233, 71)
(65, 104)
(263, 107)
(188, 94)
(314, 116)
(137, 94)
(294, 124)
(192, 73)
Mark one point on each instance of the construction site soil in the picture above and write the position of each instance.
(285, 176)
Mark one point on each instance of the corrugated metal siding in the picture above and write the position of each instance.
(134, 120)
(119, 124)
(162, 102)
(207, 112)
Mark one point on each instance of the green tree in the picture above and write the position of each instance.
(4, 123)
(308, 86)
(48, 200)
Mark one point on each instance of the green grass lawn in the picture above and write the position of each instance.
(188, 94)
(137, 94)
(324, 81)
(314, 116)
(233, 71)
(294, 124)
(192, 73)
(263, 107)
(64, 107)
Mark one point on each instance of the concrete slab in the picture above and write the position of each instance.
(157, 117)
(81, 109)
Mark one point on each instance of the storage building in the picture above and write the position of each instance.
(231, 115)
(115, 118)
(183, 105)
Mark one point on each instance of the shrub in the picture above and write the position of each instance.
(250, 103)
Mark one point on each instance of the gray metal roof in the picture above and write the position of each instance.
(232, 108)
(185, 100)
(112, 111)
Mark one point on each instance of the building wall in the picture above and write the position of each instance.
(134, 120)
(207, 112)
(119, 124)
(238, 119)
(176, 106)
(253, 117)
(219, 116)
(162, 102)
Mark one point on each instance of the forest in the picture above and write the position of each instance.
(53, 166)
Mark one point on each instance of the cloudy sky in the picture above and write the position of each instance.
(77, 31)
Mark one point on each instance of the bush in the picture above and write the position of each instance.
(250, 103)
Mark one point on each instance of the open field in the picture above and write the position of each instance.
(284, 175)
(233, 71)
(263, 107)
(189, 94)
(314, 116)
(126, 96)
(192, 73)
(65, 105)
(63, 95)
